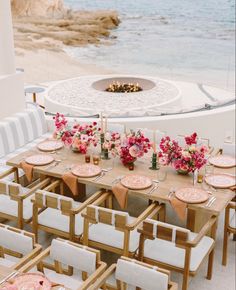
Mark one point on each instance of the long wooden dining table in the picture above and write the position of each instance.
(197, 214)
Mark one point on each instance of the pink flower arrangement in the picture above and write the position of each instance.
(112, 142)
(134, 145)
(186, 159)
(79, 137)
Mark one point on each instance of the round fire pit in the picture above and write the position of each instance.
(88, 95)
(123, 85)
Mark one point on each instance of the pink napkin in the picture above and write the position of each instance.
(72, 182)
(179, 207)
(28, 169)
(121, 194)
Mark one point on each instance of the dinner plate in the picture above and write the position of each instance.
(39, 159)
(223, 161)
(30, 281)
(86, 170)
(135, 181)
(192, 195)
(220, 180)
(50, 145)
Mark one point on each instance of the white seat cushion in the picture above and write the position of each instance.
(166, 252)
(53, 218)
(10, 207)
(8, 261)
(71, 282)
(106, 234)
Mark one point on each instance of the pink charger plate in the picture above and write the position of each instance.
(32, 281)
(39, 159)
(136, 182)
(192, 195)
(86, 170)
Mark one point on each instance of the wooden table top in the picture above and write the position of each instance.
(173, 180)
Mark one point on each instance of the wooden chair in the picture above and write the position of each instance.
(57, 214)
(230, 228)
(130, 274)
(71, 265)
(176, 248)
(15, 202)
(112, 230)
(17, 247)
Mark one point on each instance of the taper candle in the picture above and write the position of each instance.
(101, 123)
(154, 141)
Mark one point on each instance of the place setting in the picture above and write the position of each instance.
(28, 163)
(51, 145)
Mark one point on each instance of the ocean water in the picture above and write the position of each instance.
(164, 36)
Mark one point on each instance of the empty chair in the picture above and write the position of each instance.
(15, 201)
(68, 264)
(17, 247)
(176, 248)
(59, 215)
(229, 148)
(131, 274)
(112, 230)
(230, 228)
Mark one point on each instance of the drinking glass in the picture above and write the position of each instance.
(162, 173)
(209, 169)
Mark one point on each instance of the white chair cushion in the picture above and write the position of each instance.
(140, 276)
(17, 242)
(71, 255)
(71, 282)
(106, 234)
(10, 207)
(20, 129)
(232, 219)
(53, 218)
(229, 148)
(166, 252)
(8, 261)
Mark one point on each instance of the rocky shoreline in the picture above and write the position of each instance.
(75, 28)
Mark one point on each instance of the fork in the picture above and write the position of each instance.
(117, 179)
(172, 191)
(152, 189)
(212, 198)
(99, 176)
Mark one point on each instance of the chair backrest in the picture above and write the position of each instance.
(10, 188)
(138, 274)
(16, 240)
(79, 257)
(155, 229)
(45, 198)
(20, 129)
(229, 148)
(96, 214)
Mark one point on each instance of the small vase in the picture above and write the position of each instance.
(131, 166)
(182, 172)
(75, 150)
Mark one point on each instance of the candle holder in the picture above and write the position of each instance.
(105, 155)
(102, 139)
(155, 163)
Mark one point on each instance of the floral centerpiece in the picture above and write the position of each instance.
(128, 147)
(184, 159)
(77, 136)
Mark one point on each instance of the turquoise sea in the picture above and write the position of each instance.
(165, 36)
